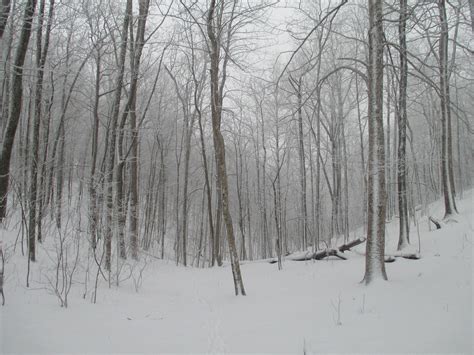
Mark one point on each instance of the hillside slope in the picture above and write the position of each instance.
(426, 306)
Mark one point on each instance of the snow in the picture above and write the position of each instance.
(426, 305)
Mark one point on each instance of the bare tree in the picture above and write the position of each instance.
(214, 32)
(297, 86)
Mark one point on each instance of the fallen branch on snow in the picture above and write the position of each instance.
(391, 257)
(436, 222)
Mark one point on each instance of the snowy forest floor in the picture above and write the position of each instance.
(426, 306)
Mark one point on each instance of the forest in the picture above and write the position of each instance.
(195, 138)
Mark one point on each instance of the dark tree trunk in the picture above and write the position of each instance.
(15, 107)
(41, 54)
(4, 13)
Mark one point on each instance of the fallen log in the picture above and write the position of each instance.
(351, 244)
(297, 256)
(319, 255)
(339, 253)
(328, 252)
(391, 257)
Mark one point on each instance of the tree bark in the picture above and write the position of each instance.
(219, 146)
(110, 163)
(93, 210)
(404, 231)
(471, 7)
(206, 180)
(362, 155)
(301, 154)
(4, 13)
(43, 173)
(264, 189)
(15, 105)
(41, 54)
(446, 145)
(143, 8)
(375, 249)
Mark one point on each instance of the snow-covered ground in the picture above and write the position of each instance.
(425, 307)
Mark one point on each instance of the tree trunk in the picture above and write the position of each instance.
(239, 183)
(41, 54)
(346, 186)
(93, 211)
(60, 174)
(15, 106)
(7, 65)
(446, 166)
(219, 146)
(110, 163)
(162, 200)
(264, 191)
(388, 169)
(61, 138)
(404, 231)
(143, 7)
(4, 12)
(362, 155)
(187, 155)
(207, 183)
(301, 154)
(375, 251)
(471, 6)
(43, 174)
(32, 200)
(249, 222)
